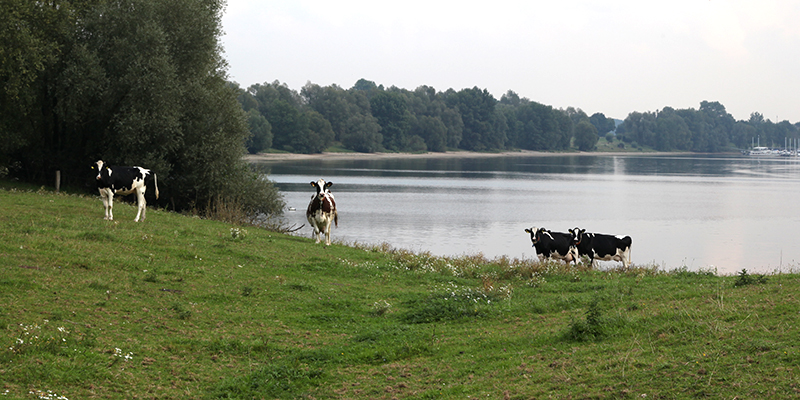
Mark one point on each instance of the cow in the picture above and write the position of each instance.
(601, 247)
(123, 181)
(549, 244)
(322, 211)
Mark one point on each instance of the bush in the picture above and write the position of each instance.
(590, 329)
(744, 279)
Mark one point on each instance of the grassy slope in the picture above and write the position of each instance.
(176, 307)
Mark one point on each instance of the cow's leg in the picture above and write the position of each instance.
(312, 220)
(108, 203)
(104, 199)
(626, 258)
(328, 232)
(142, 205)
(317, 233)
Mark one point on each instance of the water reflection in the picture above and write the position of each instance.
(698, 211)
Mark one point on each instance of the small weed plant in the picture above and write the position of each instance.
(744, 279)
(589, 329)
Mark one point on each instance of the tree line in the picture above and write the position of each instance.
(131, 82)
(707, 129)
(371, 118)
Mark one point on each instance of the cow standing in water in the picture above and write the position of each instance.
(124, 181)
(322, 211)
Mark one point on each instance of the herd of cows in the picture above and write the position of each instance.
(321, 213)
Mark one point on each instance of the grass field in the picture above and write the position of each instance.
(181, 307)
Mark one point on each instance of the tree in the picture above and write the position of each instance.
(295, 126)
(260, 131)
(432, 130)
(362, 134)
(136, 83)
(742, 134)
(603, 124)
(451, 119)
(332, 102)
(576, 115)
(585, 136)
(640, 127)
(671, 132)
(30, 41)
(389, 109)
(320, 131)
(477, 109)
(512, 99)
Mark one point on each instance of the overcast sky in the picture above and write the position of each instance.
(609, 56)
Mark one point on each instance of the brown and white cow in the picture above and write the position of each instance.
(124, 181)
(322, 210)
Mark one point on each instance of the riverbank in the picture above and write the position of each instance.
(195, 308)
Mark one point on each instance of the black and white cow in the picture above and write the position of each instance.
(322, 210)
(601, 247)
(124, 181)
(551, 244)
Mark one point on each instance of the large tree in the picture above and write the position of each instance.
(133, 82)
(477, 108)
(390, 110)
(585, 136)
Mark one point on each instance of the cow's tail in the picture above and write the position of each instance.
(336, 218)
(155, 182)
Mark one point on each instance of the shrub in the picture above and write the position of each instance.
(744, 279)
(589, 329)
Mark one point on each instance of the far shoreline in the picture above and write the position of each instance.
(266, 157)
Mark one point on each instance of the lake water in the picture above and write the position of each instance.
(699, 211)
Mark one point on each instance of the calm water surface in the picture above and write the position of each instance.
(726, 212)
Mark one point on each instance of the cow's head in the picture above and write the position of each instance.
(532, 231)
(322, 187)
(577, 235)
(99, 167)
(536, 234)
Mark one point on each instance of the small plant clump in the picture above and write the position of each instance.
(590, 329)
(744, 279)
(238, 233)
(381, 307)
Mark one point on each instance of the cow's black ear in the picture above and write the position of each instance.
(313, 183)
(329, 184)
(528, 230)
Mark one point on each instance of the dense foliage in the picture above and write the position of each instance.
(135, 82)
(709, 129)
(370, 118)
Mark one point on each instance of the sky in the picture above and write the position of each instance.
(608, 56)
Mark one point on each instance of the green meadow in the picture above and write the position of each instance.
(178, 307)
